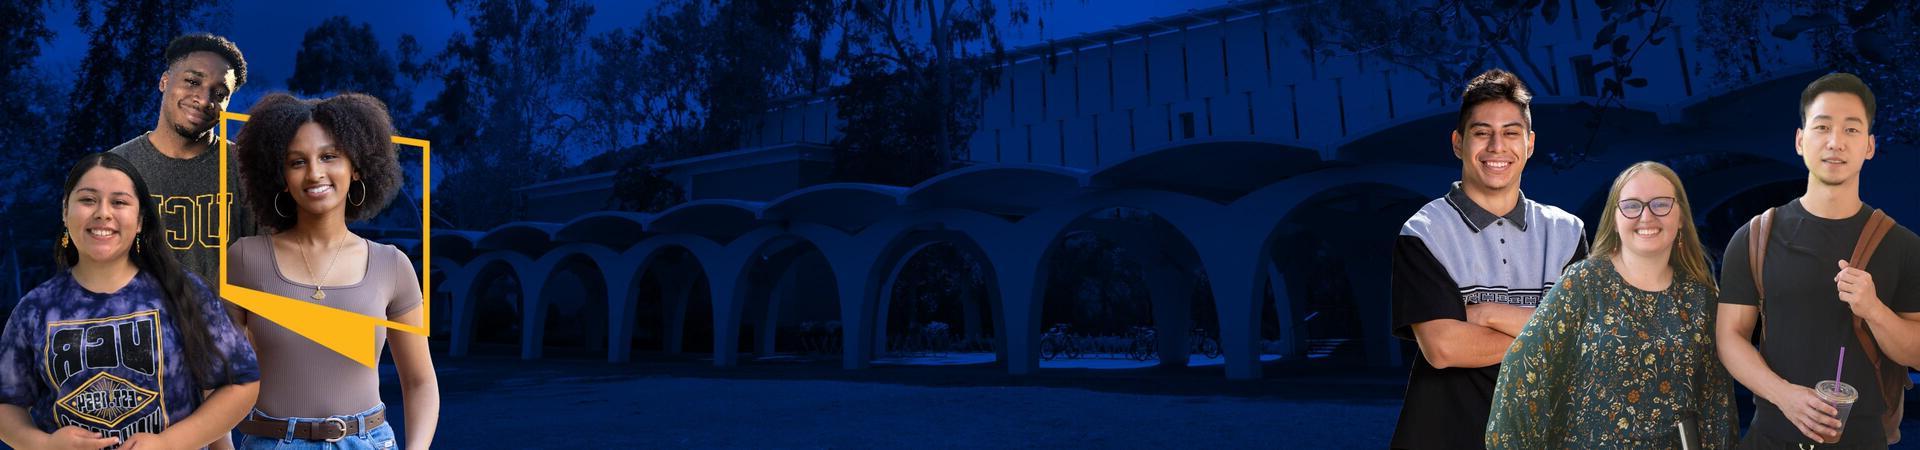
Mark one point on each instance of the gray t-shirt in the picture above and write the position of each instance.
(184, 190)
(299, 377)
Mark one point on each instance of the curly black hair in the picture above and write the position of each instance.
(204, 42)
(360, 128)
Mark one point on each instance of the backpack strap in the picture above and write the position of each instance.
(1878, 224)
(1870, 236)
(1758, 230)
(1876, 230)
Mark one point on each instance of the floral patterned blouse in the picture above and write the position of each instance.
(1603, 364)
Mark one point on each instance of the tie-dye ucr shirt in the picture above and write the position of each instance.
(111, 362)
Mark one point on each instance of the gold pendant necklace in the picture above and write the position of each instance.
(319, 281)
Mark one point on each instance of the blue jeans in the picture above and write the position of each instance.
(378, 438)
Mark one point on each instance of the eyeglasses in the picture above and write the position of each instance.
(1632, 208)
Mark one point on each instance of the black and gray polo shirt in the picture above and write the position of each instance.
(1453, 253)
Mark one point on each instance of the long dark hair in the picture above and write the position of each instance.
(152, 256)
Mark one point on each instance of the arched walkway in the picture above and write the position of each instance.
(490, 302)
(788, 284)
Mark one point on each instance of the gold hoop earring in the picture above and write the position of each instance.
(276, 204)
(363, 193)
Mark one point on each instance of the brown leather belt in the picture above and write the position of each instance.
(333, 429)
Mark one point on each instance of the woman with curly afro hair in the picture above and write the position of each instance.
(307, 167)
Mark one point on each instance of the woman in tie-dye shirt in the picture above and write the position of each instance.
(119, 348)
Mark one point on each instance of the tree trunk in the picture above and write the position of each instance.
(942, 43)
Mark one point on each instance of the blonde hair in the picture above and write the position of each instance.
(1688, 259)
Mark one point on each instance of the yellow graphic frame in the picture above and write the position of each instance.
(348, 333)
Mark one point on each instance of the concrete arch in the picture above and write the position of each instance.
(598, 253)
(1239, 254)
(788, 280)
(441, 313)
(1789, 79)
(732, 298)
(526, 237)
(1265, 208)
(455, 245)
(756, 240)
(974, 224)
(845, 206)
(1190, 215)
(466, 281)
(448, 265)
(701, 247)
(1353, 252)
(1011, 189)
(614, 229)
(1169, 271)
(1191, 218)
(893, 239)
(893, 258)
(1711, 190)
(877, 328)
(1257, 161)
(676, 283)
(610, 266)
(1014, 249)
(1722, 202)
(717, 219)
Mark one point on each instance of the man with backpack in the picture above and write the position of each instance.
(1801, 282)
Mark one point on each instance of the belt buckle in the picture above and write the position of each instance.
(339, 422)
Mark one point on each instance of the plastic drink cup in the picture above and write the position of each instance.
(1841, 395)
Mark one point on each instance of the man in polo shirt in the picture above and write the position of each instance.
(1469, 267)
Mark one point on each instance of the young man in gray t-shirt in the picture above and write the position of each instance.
(177, 158)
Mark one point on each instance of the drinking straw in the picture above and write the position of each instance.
(1837, 365)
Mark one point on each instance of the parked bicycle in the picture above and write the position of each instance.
(1145, 345)
(1201, 343)
(818, 338)
(1057, 342)
(931, 339)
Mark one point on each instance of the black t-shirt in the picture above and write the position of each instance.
(185, 191)
(1804, 320)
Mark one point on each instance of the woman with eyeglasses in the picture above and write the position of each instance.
(1621, 352)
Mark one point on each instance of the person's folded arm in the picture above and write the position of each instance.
(1449, 343)
(1504, 318)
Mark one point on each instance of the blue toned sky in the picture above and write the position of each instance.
(270, 32)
